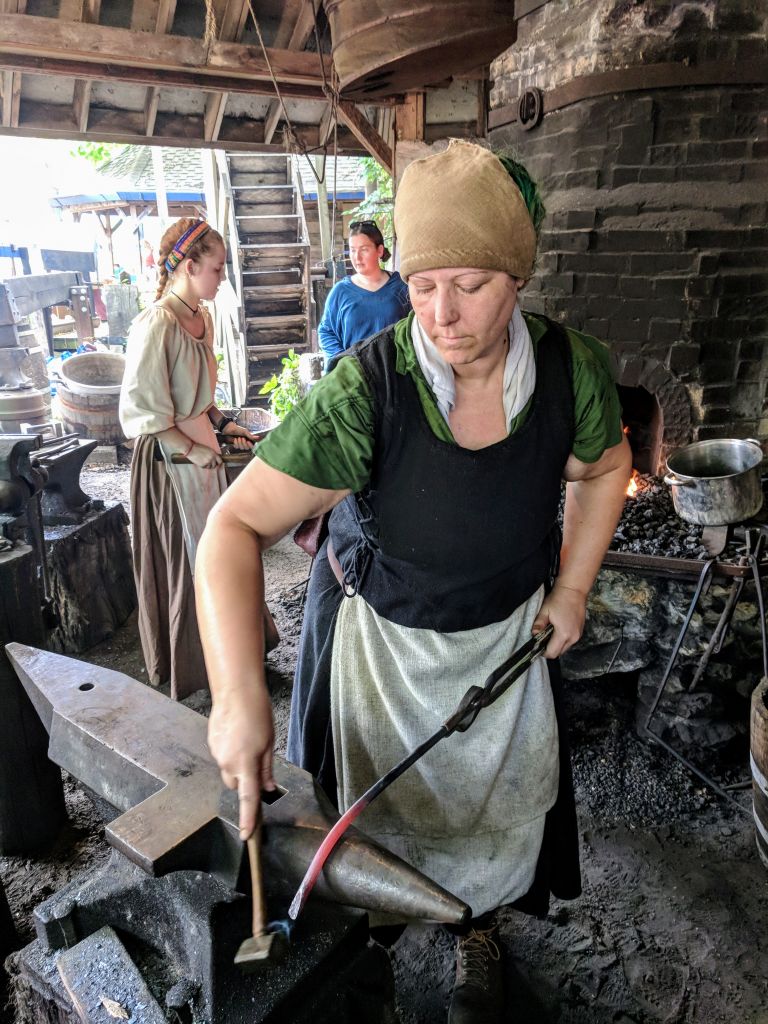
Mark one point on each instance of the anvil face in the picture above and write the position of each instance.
(147, 756)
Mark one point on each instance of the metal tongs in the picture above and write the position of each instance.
(472, 703)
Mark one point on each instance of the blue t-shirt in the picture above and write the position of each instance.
(352, 313)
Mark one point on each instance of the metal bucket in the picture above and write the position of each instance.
(716, 482)
(384, 48)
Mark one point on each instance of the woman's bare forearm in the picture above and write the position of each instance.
(593, 507)
(229, 590)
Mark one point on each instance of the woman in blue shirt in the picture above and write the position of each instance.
(368, 301)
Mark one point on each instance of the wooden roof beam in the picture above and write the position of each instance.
(326, 125)
(83, 11)
(299, 37)
(11, 99)
(365, 133)
(47, 120)
(11, 80)
(154, 16)
(41, 39)
(68, 68)
(231, 16)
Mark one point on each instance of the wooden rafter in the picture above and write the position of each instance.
(231, 16)
(152, 16)
(83, 11)
(58, 47)
(11, 80)
(47, 120)
(298, 33)
(365, 133)
(326, 125)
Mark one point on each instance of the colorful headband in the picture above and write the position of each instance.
(185, 243)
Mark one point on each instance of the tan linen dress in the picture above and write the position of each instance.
(169, 381)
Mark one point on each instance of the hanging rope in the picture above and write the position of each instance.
(293, 143)
(209, 36)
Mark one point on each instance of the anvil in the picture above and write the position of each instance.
(147, 756)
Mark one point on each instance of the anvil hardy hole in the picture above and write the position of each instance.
(272, 796)
(85, 686)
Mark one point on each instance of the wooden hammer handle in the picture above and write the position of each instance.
(254, 857)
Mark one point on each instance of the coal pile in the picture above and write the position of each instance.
(649, 524)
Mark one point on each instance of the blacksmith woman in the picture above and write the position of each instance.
(440, 444)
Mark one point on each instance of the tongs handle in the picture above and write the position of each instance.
(499, 681)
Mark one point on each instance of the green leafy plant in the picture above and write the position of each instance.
(378, 205)
(97, 152)
(284, 389)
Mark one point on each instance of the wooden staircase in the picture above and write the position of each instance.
(270, 271)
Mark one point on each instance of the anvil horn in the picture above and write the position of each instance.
(147, 756)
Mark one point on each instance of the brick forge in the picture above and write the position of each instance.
(656, 238)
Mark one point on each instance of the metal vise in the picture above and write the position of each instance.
(20, 478)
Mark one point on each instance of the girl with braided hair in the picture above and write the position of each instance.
(166, 405)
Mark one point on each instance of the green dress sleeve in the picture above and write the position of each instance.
(597, 411)
(327, 439)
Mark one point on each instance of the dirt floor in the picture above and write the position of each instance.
(670, 927)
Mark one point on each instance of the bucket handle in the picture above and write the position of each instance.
(672, 481)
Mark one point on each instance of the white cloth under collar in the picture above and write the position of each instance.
(519, 370)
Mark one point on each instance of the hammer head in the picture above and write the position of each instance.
(260, 951)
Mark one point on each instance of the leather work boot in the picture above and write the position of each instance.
(478, 992)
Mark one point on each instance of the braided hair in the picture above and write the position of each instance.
(204, 246)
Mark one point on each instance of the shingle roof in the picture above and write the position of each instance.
(349, 181)
(183, 168)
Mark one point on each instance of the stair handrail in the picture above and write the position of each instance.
(298, 191)
(231, 300)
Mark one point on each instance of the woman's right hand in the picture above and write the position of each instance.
(203, 456)
(241, 738)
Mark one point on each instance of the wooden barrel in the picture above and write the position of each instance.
(759, 760)
(89, 395)
(382, 49)
(92, 415)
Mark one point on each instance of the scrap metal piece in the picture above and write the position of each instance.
(104, 984)
(147, 756)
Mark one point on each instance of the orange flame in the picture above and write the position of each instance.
(632, 487)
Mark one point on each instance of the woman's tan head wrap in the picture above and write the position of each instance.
(460, 208)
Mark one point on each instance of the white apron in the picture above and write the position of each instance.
(471, 813)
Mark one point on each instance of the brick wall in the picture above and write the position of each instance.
(656, 240)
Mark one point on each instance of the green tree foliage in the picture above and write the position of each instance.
(378, 205)
(96, 152)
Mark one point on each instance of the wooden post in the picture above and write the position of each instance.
(32, 807)
(160, 193)
(322, 208)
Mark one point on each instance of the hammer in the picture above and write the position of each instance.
(263, 947)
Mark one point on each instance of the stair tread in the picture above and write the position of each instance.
(277, 320)
(267, 216)
(273, 290)
(275, 245)
(256, 188)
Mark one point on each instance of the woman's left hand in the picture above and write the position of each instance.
(237, 436)
(566, 609)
